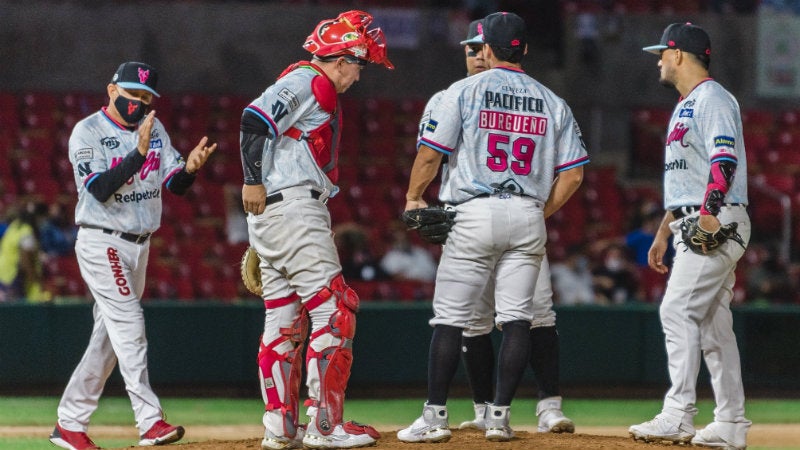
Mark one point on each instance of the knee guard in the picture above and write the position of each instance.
(280, 371)
(334, 361)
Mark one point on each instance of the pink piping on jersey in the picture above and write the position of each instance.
(512, 69)
(171, 174)
(695, 87)
(724, 156)
(439, 148)
(570, 165)
(104, 110)
(90, 178)
(264, 116)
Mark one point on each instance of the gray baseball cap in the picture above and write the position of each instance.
(475, 33)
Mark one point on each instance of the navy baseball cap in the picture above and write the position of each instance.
(683, 36)
(504, 30)
(475, 33)
(136, 75)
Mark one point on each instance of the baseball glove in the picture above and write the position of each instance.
(251, 272)
(432, 223)
(702, 241)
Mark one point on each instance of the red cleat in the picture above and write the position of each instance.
(71, 440)
(161, 433)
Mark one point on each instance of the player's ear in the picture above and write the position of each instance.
(111, 89)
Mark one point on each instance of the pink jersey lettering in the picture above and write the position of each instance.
(677, 134)
(513, 123)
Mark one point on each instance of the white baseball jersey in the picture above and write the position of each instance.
(507, 116)
(287, 161)
(705, 126)
(695, 312)
(99, 143)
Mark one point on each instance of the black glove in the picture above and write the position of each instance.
(432, 223)
(701, 241)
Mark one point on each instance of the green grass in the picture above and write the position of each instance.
(41, 411)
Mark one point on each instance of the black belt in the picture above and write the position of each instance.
(683, 211)
(130, 237)
(278, 197)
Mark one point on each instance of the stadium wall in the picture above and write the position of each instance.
(216, 345)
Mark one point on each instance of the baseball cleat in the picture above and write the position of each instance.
(161, 433)
(345, 435)
(497, 423)
(431, 426)
(661, 429)
(71, 440)
(735, 436)
(551, 418)
(479, 423)
(275, 442)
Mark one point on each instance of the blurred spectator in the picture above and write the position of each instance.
(235, 218)
(640, 239)
(587, 31)
(615, 280)
(20, 266)
(358, 261)
(407, 261)
(572, 279)
(769, 280)
(57, 232)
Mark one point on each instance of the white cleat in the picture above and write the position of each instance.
(724, 435)
(551, 418)
(662, 429)
(345, 435)
(274, 442)
(431, 427)
(497, 423)
(480, 420)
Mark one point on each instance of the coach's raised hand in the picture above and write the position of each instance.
(199, 155)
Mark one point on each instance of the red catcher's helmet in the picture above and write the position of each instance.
(348, 35)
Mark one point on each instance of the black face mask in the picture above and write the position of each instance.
(131, 110)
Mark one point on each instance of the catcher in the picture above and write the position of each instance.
(289, 149)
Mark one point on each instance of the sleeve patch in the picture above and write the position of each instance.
(724, 141)
(84, 153)
(290, 98)
(431, 125)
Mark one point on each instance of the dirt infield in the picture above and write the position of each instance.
(238, 437)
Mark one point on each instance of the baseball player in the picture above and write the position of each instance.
(477, 349)
(121, 156)
(289, 147)
(506, 137)
(706, 175)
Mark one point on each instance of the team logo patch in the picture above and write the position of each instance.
(84, 153)
(724, 141)
(290, 98)
(431, 125)
(686, 112)
(109, 142)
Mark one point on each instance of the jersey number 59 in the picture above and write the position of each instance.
(521, 151)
